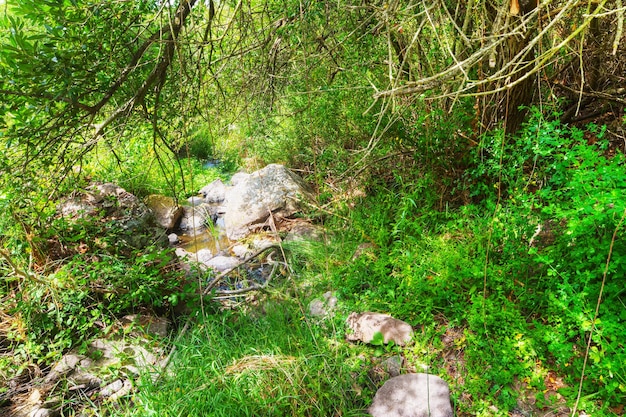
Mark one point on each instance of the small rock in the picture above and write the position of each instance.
(173, 238)
(125, 390)
(392, 365)
(366, 325)
(316, 308)
(182, 253)
(320, 308)
(222, 263)
(331, 300)
(84, 379)
(203, 255)
(112, 388)
(415, 395)
(195, 201)
(66, 365)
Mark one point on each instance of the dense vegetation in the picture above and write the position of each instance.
(476, 147)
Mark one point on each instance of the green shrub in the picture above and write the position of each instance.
(563, 197)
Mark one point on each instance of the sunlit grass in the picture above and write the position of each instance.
(267, 361)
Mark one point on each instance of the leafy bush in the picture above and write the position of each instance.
(93, 272)
(521, 274)
(564, 198)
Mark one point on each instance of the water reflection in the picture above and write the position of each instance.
(214, 240)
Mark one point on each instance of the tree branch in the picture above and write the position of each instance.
(158, 74)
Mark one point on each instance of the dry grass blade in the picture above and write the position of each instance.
(259, 362)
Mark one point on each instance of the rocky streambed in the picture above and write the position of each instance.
(230, 233)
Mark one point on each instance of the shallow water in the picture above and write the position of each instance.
(204, 239)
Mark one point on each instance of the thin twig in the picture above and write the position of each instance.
(219, 277)
(230, 293)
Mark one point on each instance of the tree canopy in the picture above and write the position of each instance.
(75, 72)
(475, 146)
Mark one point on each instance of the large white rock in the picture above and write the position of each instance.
(248, 203)
(412, 395)
(214, 193)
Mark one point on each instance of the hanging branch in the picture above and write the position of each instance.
(157, 77)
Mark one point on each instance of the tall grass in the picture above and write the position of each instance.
(268, 361)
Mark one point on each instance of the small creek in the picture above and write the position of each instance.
(214, 240)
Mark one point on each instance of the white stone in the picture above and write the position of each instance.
(203, 255)
(412, 395)
(182, 253)
(222, 263)
(173, 238)
(365, 326)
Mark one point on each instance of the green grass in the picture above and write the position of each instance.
(268, 361)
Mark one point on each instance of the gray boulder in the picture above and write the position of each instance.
(166, 212)
(214, 193)
(133, 221)
(365, 326)
(112, 201)
(249, 202)
(412, 395)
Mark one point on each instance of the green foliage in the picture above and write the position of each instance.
(520, 270)
(565, 198)
(267, 361)
(525, 296)
(81, 299)
(106, 271)
(141, 170)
